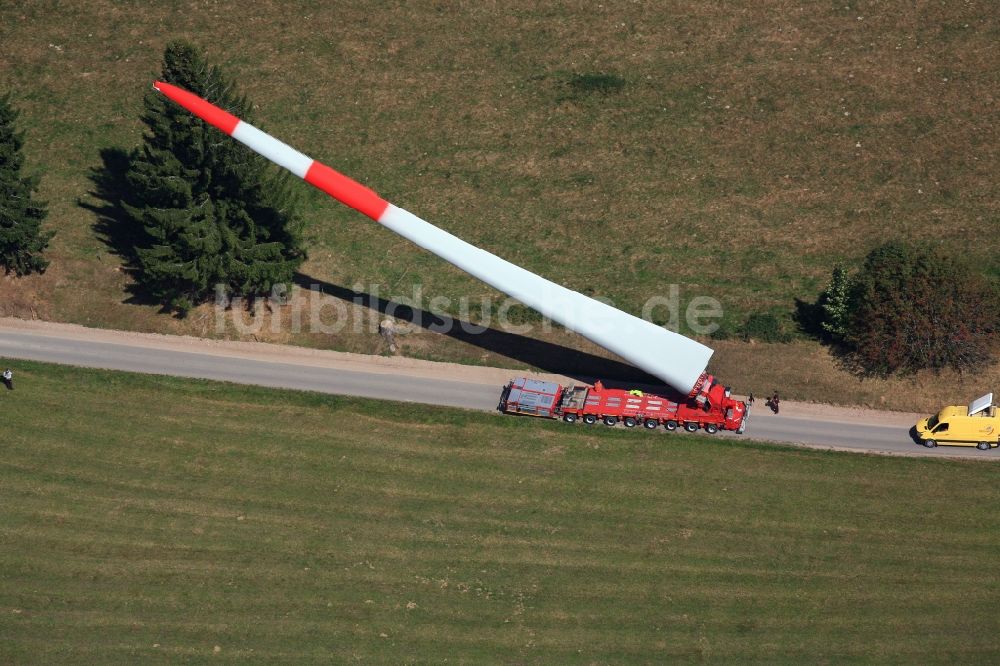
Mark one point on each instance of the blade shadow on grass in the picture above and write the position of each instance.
(546, 356)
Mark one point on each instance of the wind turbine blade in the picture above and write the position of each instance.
(673, 358)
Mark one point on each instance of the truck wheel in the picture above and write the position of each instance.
(670, 425)
(930, 443)
(610, 420)
(691, 427)
(629, 422)
(589, 419)
(711, 428)
(651, 424)
(983, 446)
(570, 418)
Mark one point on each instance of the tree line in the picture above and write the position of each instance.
(204, 212)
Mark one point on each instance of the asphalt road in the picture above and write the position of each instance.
(405, 386)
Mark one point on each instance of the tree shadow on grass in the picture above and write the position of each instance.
(543, 355)
(808, 316)
(113, 225)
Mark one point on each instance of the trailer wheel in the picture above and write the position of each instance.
(589, 419)
(651, 424)
(670, 425)
(629, 422)
(930, 443)
(711, 428)
(983, 446)
(691, 427)
(569, 418)
(610, 420)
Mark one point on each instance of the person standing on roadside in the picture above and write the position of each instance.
(8, 379)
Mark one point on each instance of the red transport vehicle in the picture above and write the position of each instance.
(713, 410)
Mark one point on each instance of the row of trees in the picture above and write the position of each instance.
(203, 211)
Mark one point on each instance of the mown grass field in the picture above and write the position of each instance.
(738, 150)
(147, 519)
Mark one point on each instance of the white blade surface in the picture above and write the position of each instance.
(677, 360)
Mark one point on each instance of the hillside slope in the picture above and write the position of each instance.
(734, 150)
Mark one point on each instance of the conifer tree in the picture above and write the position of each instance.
(21, 237)
(835, 305)
(213, 211)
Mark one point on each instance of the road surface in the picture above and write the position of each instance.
(411, 380)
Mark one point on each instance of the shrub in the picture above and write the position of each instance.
(765, 327)
(913, 308)
(604, 84)
(721, 333)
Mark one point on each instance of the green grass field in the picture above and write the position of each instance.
(147, 519)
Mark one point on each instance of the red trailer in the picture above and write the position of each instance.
(713, 410)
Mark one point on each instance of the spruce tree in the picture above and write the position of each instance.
(835, 306)
(21, 237)
(213, 211)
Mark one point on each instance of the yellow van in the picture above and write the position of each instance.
(976, 425)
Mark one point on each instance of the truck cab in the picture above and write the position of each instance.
(977, 424)
(732, 414)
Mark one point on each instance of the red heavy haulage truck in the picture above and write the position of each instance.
(713, 410)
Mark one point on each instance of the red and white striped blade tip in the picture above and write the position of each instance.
(210, 113)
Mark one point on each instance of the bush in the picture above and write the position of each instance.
(765, 327)
(721, 333)
(604, 84)
(912, 308)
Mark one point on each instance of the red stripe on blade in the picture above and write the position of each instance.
(207, 111)
(345, 190)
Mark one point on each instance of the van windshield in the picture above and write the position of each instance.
(931, 422)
